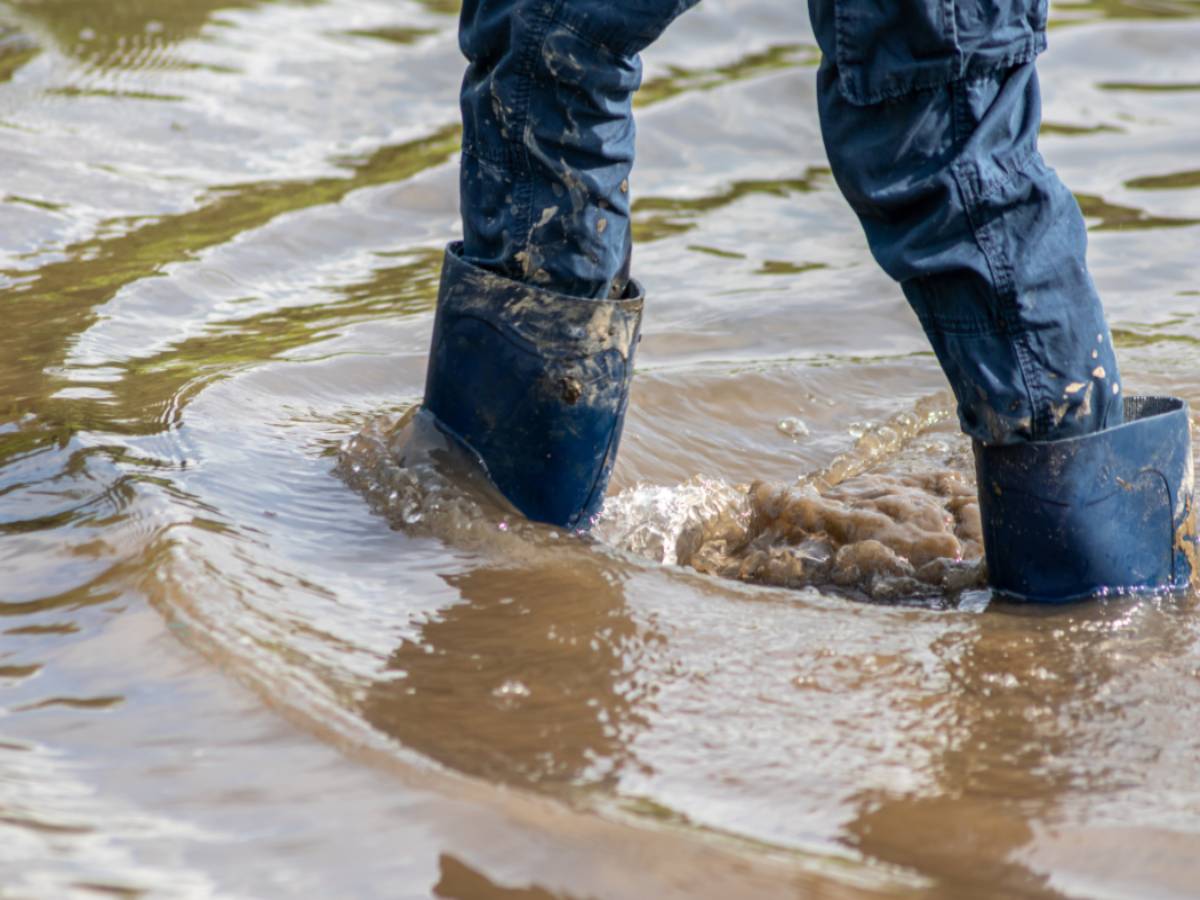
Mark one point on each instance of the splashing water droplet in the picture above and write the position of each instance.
(511, 690)
(793, 427)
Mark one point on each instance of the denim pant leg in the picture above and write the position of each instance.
(930, 114)
(548, 136)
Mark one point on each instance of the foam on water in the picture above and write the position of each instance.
(426, 485)
(894, 519)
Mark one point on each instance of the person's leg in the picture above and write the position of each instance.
(537, 318)
(548, 136)
(930, 114)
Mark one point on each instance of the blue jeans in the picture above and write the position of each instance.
(930, 113)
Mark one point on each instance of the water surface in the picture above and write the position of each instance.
(236, 665)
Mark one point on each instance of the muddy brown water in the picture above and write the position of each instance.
(243, 654)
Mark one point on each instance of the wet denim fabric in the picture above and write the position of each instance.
(548, 136)
(930, 112)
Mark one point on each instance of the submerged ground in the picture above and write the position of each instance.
(244, 656)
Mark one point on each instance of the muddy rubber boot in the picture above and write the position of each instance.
(535, 384)
(1110, 512)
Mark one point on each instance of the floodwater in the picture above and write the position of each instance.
(244, 654)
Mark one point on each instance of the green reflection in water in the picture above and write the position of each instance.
(97, 591)
(445, 7)
(1061, 129)
(1064, 12)
(716, 251)
(680, 80)
(1125, 218)
(1168, 332)
(655, 218)
(394, 35)
(34, 202)
(74, 702)
(155, 390)
(125, 33)
(115, 95)
(58, 301)
(16, 49)
(783, 267)
(1149, 87)
(1166, 182)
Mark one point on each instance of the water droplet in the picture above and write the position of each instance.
(792, 427)
(511, 689)
(974, 601)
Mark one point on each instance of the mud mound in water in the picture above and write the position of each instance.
(894, 519)
(888, 537)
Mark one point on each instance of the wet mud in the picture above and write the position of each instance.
(894, 519)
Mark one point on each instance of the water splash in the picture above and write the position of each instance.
(895, 519)
(427, 486)
(418, 479)
(654, 521)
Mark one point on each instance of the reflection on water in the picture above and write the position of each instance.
(680, 80)
(1175, 180)
(1071, 12)
(1113, 217)
(16, 49)
(560, 712)
(130, 34)
(1149, 87)
(257, 639)
(1025, 733)
(460, 882)
(655, 218)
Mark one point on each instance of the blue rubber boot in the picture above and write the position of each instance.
(535, 384)
(1109, 512)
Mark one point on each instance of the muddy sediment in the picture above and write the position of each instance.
(888, 537)
(895, 518)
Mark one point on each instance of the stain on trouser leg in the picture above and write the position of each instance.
(548, 137)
